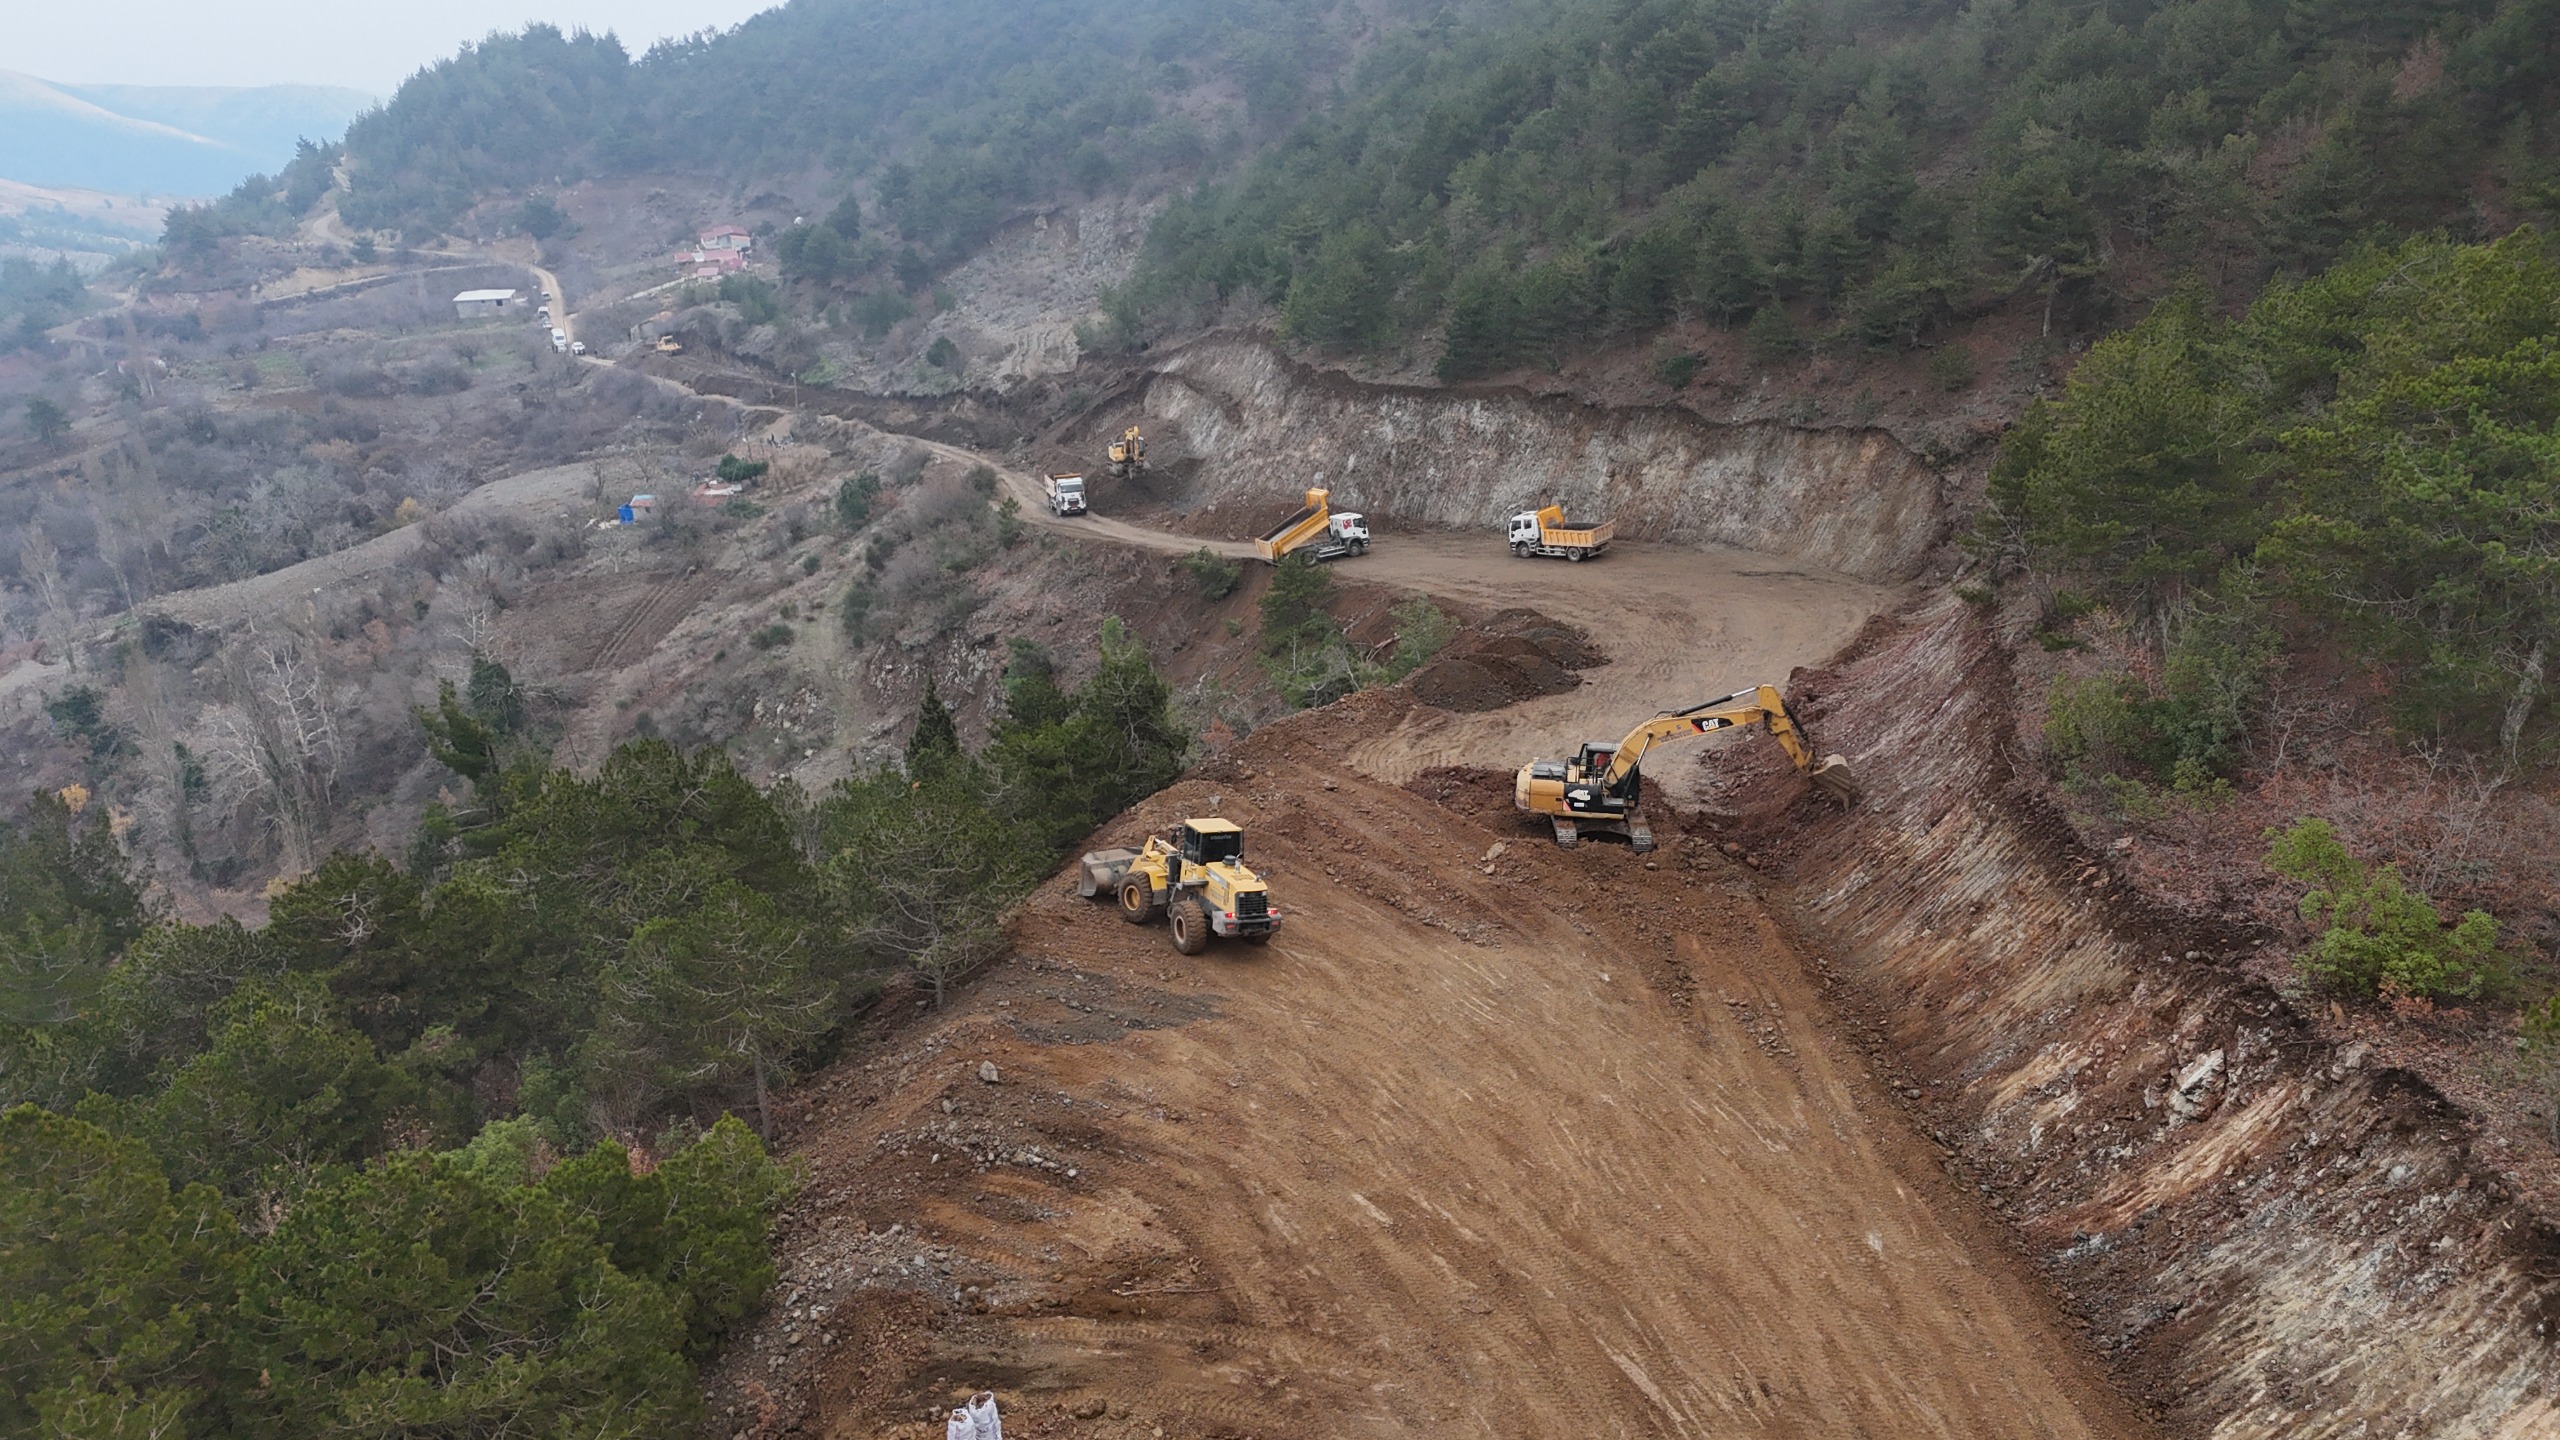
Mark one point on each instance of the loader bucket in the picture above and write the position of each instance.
(1837, 780)
(1098, 873)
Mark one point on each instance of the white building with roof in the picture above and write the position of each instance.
(480, 304)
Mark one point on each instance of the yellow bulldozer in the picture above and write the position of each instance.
(1128, 453)
(1194, 876)
(1603, 787)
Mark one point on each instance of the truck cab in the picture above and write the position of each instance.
(1066, 494)
(1524, 528)
(1348, 530)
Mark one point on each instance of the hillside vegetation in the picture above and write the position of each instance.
(952, 114)
(1546, 174)
(357, 1169)
(2374, 446)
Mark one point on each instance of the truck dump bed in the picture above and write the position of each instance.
(1554, 529)
(1295, 531)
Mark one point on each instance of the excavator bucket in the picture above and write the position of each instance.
(1837, 780)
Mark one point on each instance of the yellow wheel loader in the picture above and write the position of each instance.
(1603, 787)
(1194, 876)
(1128, 453)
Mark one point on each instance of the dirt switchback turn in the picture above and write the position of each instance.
(1678, 623)
(1495, 1140)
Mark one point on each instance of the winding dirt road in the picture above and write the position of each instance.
(1679, 624)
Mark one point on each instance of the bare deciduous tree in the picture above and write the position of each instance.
(42, 565)
(274, 741)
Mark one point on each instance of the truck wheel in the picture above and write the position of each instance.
(1190, 929)
(1520, 549)
(1359, 547)
(1580, 555)
(1137, 901)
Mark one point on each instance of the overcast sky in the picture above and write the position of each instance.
(365, 44)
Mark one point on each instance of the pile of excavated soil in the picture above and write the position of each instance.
(1494, 1140)
(1516, 655)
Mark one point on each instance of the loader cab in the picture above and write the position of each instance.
(1212, 842)
(1596, 757)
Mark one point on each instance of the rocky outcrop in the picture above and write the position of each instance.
(1852, 501)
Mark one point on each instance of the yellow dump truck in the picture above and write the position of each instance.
(1331, 534)
(1548, 532)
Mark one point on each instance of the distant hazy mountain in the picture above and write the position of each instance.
(159, 139)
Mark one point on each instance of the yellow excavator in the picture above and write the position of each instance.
(1128, 453)
(1194, 876)
(1603, 787)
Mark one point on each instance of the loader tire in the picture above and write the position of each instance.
(1190, 929)
(1137, 901)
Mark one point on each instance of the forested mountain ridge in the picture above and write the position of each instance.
(1546, 174)
(955, 111)
(1527, 176)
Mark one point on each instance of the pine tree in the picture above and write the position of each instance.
(934, 745)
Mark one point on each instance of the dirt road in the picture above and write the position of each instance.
(562, 490)
(1495, 1140)
(1680, 624)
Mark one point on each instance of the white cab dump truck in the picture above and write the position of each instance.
(1548, 532)
(1319, 529)
(1065, 492)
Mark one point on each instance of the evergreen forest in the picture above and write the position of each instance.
(1531, 178)
(377, 1165)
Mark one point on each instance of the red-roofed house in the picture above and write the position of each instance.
(726, 237)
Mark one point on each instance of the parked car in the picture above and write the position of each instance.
(577, 347)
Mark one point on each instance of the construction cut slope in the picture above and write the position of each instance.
(1846, 499)
(1493, 1140)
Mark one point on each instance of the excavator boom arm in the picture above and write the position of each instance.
(1759, 705)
